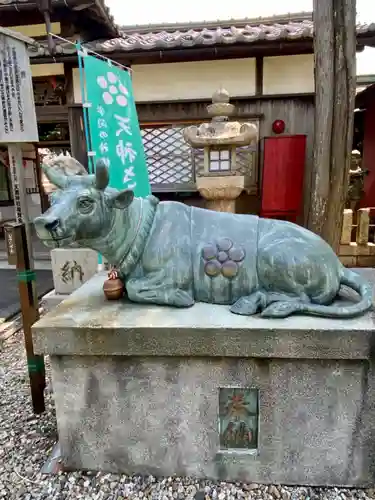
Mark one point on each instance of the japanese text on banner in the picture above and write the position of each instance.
(114, 128)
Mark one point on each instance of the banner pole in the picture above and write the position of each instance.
(84, 107)
(111, 124)
(86, 126)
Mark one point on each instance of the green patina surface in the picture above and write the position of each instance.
(169, 253)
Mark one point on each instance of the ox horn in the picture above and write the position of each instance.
(101, 175)
(56, 178)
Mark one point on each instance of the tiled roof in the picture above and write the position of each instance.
(205, 36)
(360, 89)
(220, 35)
(217, 23)
(18, 36)
(97, 5)
(10, 2)
(101, 5)
(216, 36)
(364, 95)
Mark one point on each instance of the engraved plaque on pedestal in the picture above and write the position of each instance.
(238, 418)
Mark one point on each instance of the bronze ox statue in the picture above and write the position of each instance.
(173, 254)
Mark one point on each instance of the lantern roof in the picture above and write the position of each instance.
(220, 131)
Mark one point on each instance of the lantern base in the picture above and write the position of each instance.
(221, 192)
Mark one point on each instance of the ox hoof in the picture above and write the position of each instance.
(249, 305)
(281, 309)
(175, 298)
(180, 298)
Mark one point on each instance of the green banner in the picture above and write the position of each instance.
(113, 124)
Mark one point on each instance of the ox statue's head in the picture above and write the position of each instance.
(82, 208)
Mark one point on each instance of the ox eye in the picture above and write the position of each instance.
(85, 205)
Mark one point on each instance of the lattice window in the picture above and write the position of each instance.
(246, 158)
(173, 164)
(169, 158)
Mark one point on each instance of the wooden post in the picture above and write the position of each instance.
(77, 134)
(363, 226)
(347, 226)
(18, 254)
(334, 48)
(44, 200)
(19, 190)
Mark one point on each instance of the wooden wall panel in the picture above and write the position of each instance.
(288, 74)
(193, 80)
(77, 135)
(297, 113)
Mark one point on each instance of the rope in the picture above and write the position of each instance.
(110, 62)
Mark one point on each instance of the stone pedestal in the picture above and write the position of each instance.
(163, 391)
(221, 193)
(52, 299)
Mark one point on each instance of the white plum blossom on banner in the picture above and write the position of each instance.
(113, 89)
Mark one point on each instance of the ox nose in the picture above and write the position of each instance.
(52, 225)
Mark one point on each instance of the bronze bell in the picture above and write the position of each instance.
(113, 287)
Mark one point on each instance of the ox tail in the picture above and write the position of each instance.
(283, 309)
(356, 283)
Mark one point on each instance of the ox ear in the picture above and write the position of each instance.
(56, 178)
(122, 199)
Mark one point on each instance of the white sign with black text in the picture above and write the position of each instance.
(17, 109)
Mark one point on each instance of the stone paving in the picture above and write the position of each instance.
(9, 294)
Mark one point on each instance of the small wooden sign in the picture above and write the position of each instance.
(10, 242)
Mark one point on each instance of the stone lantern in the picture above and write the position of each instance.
(221, 182)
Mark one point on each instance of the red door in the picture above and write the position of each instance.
(282, 180)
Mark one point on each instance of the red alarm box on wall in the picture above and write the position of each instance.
(282, 179)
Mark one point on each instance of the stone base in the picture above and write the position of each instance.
(53, 464)
(221, 192)
(52, 299)
(137, 391)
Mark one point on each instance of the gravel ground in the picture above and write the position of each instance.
(26, 441)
